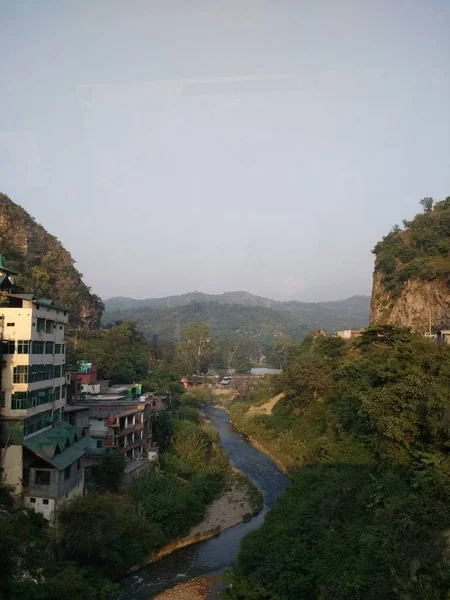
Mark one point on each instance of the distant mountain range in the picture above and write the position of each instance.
(241, 312)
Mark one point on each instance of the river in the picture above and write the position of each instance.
(213, 555)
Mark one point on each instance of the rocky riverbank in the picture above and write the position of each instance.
(200, 588)
(240, 503)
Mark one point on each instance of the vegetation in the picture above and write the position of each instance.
(30, 569)
(366, 515)
(421, 249)
(195, 349)
(224, 320)
(44, 267)
(121, 353)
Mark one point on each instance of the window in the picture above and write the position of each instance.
(40, 325)
(9, 347)
(78, 464)
(3, 399)
(60, 326)
(37, 348)
(38, 422)
(49, 347)
(32, 500)
(67, 473)
(63, 391)
(42, 477)
(99, 443)
(57, 348)
(20, 374)
(45, 501)
(23, 347)
(57, 371)
(49, 326)
(19, 401)
(10, 324)
(57, 395)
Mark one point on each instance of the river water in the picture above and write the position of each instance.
(214, 555)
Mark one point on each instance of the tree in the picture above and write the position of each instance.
(243, 386)
(100, 532)
(229, 348)
(427, 204)
(195, 349)
(110, 471)
(279, 351)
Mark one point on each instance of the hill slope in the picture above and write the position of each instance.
(412, 271)
(351, 313)
(44, 266)
(261, 324)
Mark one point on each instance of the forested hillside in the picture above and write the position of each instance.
(44, 266)
(259, 324)
(367, 515)
(229, 312)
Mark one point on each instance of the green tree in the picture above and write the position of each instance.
(195, 349)
(110, 471)
(99, 531)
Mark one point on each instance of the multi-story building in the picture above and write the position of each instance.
(119, 419)
(33, 396)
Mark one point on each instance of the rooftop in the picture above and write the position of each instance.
(33, 298)
(59, 446)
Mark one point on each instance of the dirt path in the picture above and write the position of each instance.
(266, 409)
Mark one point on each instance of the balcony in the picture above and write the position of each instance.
(130, 429)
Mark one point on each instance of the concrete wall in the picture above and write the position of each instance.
(47, 506)
(11, 463)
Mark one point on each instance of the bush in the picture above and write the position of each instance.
(189, 413)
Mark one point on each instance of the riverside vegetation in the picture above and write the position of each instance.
(363, 429)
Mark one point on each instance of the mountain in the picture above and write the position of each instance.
(44, 266)
(411, 285)
(243, 298)
(233, 311)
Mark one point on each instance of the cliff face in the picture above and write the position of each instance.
(413, 306)
(44, 266)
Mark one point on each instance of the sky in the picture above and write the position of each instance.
(221, 145)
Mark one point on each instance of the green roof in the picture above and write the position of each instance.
(60, 446)
(43, 301)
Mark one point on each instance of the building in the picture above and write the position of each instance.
(54, 462)
(33, 388)
(349, 334)
(119, 418)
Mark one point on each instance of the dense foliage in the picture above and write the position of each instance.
(30, 569)
(121, 353)
(44, 266)
(224, 320)
(367, 513)
(421, 249)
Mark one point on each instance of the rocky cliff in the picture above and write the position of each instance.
(411, 284)
(418, 302)
(44, 266)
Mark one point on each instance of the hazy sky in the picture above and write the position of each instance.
(262, 145)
